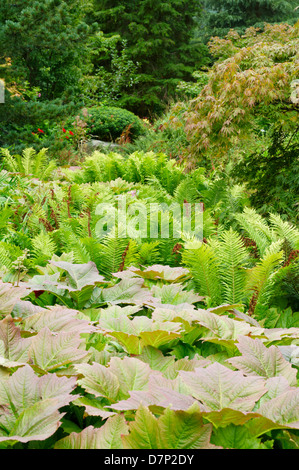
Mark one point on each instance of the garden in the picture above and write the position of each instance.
(149, 240)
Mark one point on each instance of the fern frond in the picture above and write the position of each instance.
(261, 280)
(112, 250)
(233, 257)
(203, 264)
(43, 246)
(285, 230)
(257, 229)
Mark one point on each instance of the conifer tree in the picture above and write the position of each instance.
(158, 35)
(222, 15)
(44, 40)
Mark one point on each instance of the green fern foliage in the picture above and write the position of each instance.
(30, 163)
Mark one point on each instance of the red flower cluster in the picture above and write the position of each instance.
(38, 130)
(64, 130)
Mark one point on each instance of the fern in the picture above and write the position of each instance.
(261, 281)
(30, 163)
(285, 230)
(43, 247)
(257, 229)
(233, 257)
(203, 264)
(112, 250)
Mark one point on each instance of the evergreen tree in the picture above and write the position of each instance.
(44, 40)
(222, 15)
(158, 36)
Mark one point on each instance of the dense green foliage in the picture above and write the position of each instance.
(149, 242)
(158, 40)
(118, 328)
(222, 15)
(108, 123)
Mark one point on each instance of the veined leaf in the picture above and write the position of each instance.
(158, 271)
(184, 430)
(144, 431)
(115, 381)
(14, 348)
(223, 328)
(155, 358)
(236, 437)
(127, 291)
(10, 295)
(161, 397)
(258, 360)
(218, 387)
(80, 275)
(98, 380)
(30, 404)
(283, 409)
(58, 318)
(132, 374)
(50, 352)
(109, 436)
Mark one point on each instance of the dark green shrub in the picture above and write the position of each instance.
(109, 123)
(272, 176)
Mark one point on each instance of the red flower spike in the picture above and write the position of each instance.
(63, 130)
(40, 130)
(71, 133)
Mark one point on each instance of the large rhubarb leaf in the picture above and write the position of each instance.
(155, 396)
(127, 291)
(80, 275)
(237, 437)
(132, 374)
(50, 352)
(57, 318)
(144, 431)
(158, 271)
(258, 360)
(49, 283)
(223, 328)
(115, 381)
(174, 294)
(218, 387)
(10, 295)
(184, 430)
(109, 436)
(283, 409)
(98, 380)
(139, 332)
(155, 358)
(172, 430)
(30, 405)
(13, 348)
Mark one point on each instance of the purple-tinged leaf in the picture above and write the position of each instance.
(258, 360)
(218, 387)
(31, 404)
(14, 348)
(283, 409)
(51, 351)
(80, 275)
(10, 295)
(127, 291)
(58, 318)
(98, 380)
